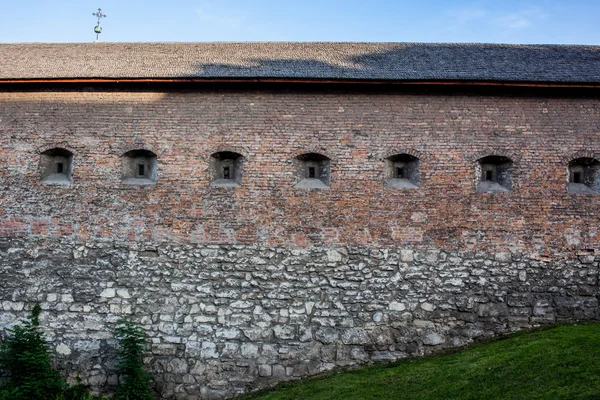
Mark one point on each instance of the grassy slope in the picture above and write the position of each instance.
(558, 363)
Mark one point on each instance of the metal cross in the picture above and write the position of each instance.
(98, 29)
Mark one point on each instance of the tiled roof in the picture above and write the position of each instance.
(348, 61)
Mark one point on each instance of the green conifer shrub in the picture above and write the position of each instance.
(25, 354)
(135, 380)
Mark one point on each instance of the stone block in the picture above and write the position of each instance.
(228, 333)
(265, 370)
(209, 350)
(334, 256)
(504, 257)
(406, 256)
(279, 371)
(587, 258)
(108, 293)
(249, 350)
(326, 335)
(177, 366)
(432, 338)
(355, 336)
(285, 332)
(396, 306)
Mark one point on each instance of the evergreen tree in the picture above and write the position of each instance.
(135, 384)
(25, 354)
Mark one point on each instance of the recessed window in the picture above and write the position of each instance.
(56, 166)
(583, 176)
(226, 169)
(494, 174)
(312, 171)
(402, 172)
(139, 167)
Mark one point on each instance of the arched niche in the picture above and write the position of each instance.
(583, 176)
(56, 166)
(312, 171)
(402, 172)
(139, 167)
(494, 174)
(226, 169)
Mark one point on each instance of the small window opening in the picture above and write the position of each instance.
(584, 176)
(139, 167)
(311, 171)
(494, 174)
(402, 172)
(225, 169)
(56, 166)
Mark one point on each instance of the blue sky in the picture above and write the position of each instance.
(308, 20)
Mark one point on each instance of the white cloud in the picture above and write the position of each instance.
(507, 20)
(513, 22)
(521, 19)
(464, 16)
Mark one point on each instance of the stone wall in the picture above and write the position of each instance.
(224, 319)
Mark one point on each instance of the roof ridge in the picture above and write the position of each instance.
(425, 44)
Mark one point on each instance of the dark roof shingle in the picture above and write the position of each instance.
(348, 61)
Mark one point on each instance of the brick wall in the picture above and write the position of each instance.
(357, 129)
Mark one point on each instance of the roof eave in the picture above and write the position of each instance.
(305, 80)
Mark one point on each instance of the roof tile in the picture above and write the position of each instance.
(353, 61)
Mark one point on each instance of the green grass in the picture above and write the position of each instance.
(558, 363)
